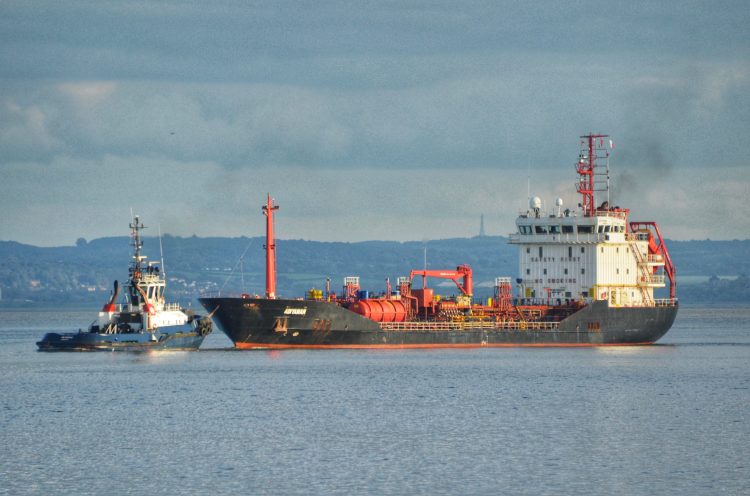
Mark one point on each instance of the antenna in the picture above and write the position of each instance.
(242, 272)
(589, 166)
(528, 184)
(161, 253)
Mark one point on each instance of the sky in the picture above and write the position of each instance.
(366, 120)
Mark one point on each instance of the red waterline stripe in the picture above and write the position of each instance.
(275, 346)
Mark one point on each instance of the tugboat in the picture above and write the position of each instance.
(585, 278)
(143, 322)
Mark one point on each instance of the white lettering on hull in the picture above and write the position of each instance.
(295, 311)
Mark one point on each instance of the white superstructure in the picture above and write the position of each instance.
(592, 253)
(568, 256)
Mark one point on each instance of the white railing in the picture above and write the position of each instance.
(651, 259)
(652, 279)
(639, 236)
(610, 213)
(571, 238)
(665, 302)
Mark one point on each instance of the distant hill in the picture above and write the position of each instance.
(83, 274)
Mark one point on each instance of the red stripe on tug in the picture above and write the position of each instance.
(266, 346)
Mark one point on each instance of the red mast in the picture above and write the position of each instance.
(270, 247)
(591, 151)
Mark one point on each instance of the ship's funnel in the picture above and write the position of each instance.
(110, 306)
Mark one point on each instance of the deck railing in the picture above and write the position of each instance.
(465, 325)
(652, 279)
(665, 302)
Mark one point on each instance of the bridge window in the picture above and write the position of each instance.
(567, 229)
(554, 229)
(541, 229)
(585, 229)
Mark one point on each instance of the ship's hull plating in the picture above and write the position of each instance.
(282, 323)
(176, 339)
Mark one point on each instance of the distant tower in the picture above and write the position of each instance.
(481, 225)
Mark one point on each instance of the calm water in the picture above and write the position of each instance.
(665, 419)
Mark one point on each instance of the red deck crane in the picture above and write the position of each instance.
(461, 272)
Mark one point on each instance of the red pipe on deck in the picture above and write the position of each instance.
(270, 247)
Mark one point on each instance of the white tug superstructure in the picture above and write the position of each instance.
(144, 321)
(592, 253)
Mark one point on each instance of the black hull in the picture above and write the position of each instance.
(282, 323)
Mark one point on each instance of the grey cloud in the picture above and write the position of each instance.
(240, 98)
(503, 112)
(232, 41)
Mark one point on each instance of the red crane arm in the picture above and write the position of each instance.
(461, 272)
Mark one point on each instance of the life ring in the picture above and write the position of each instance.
(522, 325)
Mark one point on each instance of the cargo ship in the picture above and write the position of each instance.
(143, 322)
(586, 277)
